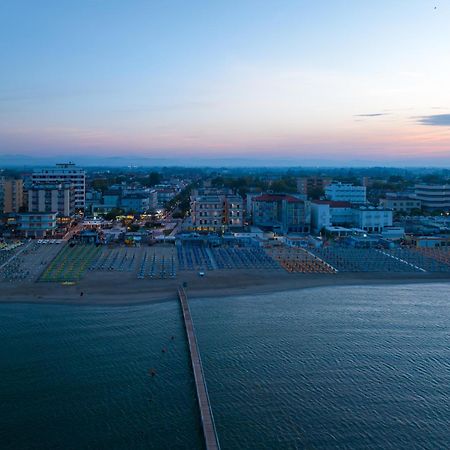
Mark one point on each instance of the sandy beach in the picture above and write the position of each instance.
(108, 288)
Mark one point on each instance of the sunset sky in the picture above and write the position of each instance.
(304, 81)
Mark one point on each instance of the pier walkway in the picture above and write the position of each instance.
(209, 429)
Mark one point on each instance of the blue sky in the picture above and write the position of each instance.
(337, 80)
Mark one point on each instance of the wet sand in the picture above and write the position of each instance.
(113, 288)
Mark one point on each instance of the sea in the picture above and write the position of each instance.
(360, 367)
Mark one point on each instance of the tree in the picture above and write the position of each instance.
(100, 184)
(316, 193)
(154, 178)
(113, 214)
(285, 184)
(396, 179)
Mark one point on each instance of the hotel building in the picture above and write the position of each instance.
(279, 211)
(220, 212)
(345, 192)
(64, 173)
(434, 196)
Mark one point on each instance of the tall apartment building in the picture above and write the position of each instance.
(307, 185)
(11, 195)
(433, 196)
(217, 213)
(279, 211)
(346, 192)
(57, 198)
(64, 173)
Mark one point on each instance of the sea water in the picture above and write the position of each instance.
(346, 367)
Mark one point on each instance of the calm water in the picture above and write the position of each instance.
(359, 367)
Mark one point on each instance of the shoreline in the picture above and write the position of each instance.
(107, 289)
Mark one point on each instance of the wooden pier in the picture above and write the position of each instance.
(208, 426)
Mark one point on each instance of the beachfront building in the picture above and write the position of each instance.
(325, 213)
(11, 195)
(346, 192)
(320, 215)
(434, 196)
(217, 213)
(401, 203)
(280, 212)
(36, 224)
(58, 197)
(373, 219)
(64, 173)
(234, 211)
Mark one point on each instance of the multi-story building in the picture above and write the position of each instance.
(433, 196)
(165, 193)
(325, 213)
(401, 203)
(285, 213)
(345, 192)
(32, 224)
(11, 195)
(59, 198)
(93, 197)
(372, 219)
(234, 211)
(217, 213)
(149, 193)
(368, 218)
(64, 173)
(307, 185)
(139, 203)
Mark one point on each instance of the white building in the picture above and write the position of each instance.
(64, 173)
(345, 192)
(372, 219)
(325, 213)
(434, 196)
(341, 214)
(320, 215)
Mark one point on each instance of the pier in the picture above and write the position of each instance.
(208, 426)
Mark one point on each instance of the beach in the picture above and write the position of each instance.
(109, 288)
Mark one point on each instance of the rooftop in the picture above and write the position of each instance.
(276, 198)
